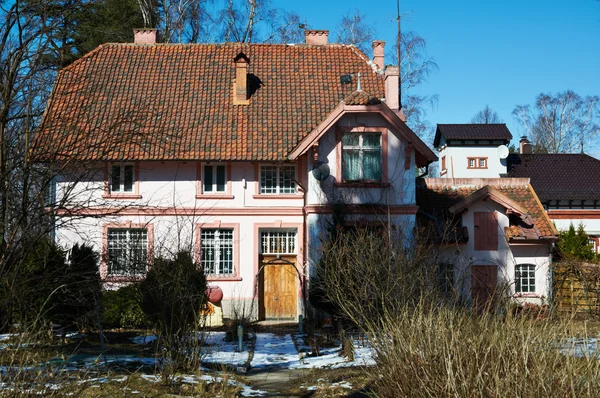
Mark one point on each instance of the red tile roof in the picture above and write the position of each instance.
(436, 195)
(174, 102)
(472, 131)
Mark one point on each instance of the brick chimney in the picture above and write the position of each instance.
(524, 146)
(378, 46)
(144, 36)
(240, 84)
(317, 37)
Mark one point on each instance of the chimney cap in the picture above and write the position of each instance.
(316, 36)
(241, 57)
(377, 43)
(144, 35)
(524, 139)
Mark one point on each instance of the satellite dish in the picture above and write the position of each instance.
(320, 171)
(502, 151)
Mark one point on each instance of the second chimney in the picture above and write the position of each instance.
(144, 36)
(378, 46)
(524, 146)
(317, 37)
(240, 85)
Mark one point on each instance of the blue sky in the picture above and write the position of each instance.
(497, 53)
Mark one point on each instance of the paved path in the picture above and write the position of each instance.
(273, 351)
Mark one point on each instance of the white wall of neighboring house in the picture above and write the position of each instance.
(463, 256)
(457, 162)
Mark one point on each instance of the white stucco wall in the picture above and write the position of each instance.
(463, 256)
(457, 162)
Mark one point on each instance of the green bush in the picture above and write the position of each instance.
(173, 295)
(122, 308)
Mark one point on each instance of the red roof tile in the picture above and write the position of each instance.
(174, 102)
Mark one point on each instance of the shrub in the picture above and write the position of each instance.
(173, 294)
(122, 308)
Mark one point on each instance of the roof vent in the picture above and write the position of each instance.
(240, 83)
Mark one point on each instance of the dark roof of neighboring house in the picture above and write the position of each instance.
(436, 195)
(174, 101)
(558, 176)
(471, 132)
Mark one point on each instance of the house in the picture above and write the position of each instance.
(568, 186)
(494, 234)
(237, 152)
(472, 150)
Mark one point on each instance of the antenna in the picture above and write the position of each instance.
(399, 62)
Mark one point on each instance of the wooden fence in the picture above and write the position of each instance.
(576, 287)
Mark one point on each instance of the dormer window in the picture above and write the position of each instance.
(362, 157)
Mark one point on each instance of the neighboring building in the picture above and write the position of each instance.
(237, 152)
(472, 150)
(568, 186)
(496, 237)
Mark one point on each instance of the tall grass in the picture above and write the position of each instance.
(432, 351)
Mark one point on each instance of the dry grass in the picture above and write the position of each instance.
(448, 352)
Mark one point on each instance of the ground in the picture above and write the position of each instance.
(273, 361)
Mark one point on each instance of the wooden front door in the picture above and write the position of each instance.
(484, 282)
(279, 288)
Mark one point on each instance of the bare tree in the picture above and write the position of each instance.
(486, 116)
(353, 29)
(561, 123)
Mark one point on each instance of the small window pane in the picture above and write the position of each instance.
(128, 178)
(371, 140)
(481, 162)
(208, 178)
(220, 178)
(116, 178)
(351, 139)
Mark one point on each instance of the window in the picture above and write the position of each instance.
(485, 232)
(278, 179)
(214, 178)
(278, 242)
(127, 251)
(477, 163)
(216, 251)
(443, 163)
(361, 157)
(525, 278)
(446, 277)
(121, 178)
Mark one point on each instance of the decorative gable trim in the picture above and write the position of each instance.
(424, 154)
(485, 193)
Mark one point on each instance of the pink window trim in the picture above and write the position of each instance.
(384, 157)
(278, 224)
(477, 160)
(236, 249)
(210, 195)
(129, 225)
(122, 195)
(299, 177)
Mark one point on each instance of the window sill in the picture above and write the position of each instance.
(124, 196)
(364, 184)
(527, 295)
(210, 278)
(214, 196)
(277, 196)
(123, 278)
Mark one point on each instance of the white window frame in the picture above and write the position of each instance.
(129, 246)
(212, 266)
(121, 175)
(361, 150)
(525, 273)
(282, 173)
(213, 188)
(279, 241)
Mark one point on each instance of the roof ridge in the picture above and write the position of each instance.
(84, 56)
